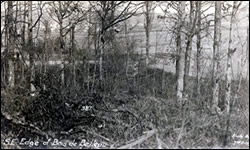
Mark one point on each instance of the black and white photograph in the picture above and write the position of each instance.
(124, 74)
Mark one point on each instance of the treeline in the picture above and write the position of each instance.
(43, 66)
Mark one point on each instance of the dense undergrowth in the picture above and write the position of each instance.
(119, 109)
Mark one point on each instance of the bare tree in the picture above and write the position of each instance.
(31, 51)
(24, 24)
(190, 34)
(149, 8)
(247, 53)
(10, 45)
(216, 49)
(108, 19)
(47, 32)
(68, 14)
(4, 43)
(72, 49)
(198, 46)
(230, 52)
(23, 35)
(181, 52)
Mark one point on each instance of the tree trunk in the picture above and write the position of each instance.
(46, 34)
(71, 54)
(101, 56)
(24, 24)
(4, 69)
(127, 47)
(23, 37)
(10, 45)
(198, 46)
(102, 39)
(189, 45)
(229, 60)
(31, 52)
(60, 19)
(229, 73)
(163, 77)
(15, 20)
(247, 54)
(216, 49)
(147, 29)
(180, 79)
(89, 31)
(89, 46)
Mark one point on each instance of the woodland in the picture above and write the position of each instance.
(124, 74)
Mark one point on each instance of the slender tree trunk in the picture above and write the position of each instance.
(198, 46)
(89, 55)
(101, 57)
(163, 77)
(71, 54)
(181, 63)
(154, 81)
(10, 45)
(23, 38)
(24, 24)
(6, 41)
(111, 31)
(46, 34)
(247, 54)
(60, 19)
(18, 31)
(16, 15)
(147, 29)
(127, 47)
(229, 67)
(89, 46)
(102, 39)
(189, 45)
(96, 45)
(31, 54)
(89, 31)
(216, 63)
(177, 56)
(229, 73)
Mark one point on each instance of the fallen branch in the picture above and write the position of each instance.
(140, 140)
(22, 123)
(95, 134)
(163, 145)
